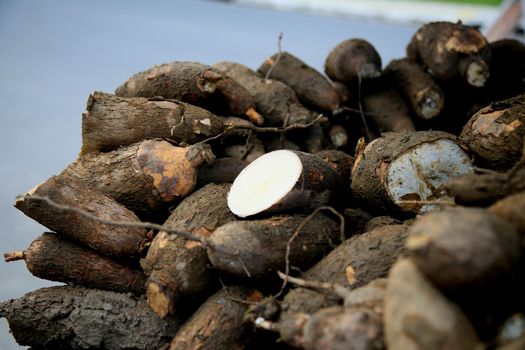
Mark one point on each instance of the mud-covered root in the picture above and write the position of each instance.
(195, 83)
(79, 318)
(351, 60)
(276, 101)
(464, 247)
(111, 122)
(333, 328)
(511, 209)
(417, 86)
(219, 323)
(281, 181)
(452, 50)
(311, 87)
(108, 240)
(419, 317)
(403, 172)
(388, 110)
(496, 133)
(176, 267)
(144, 176)
(257, 247)
(340, 161)
(53, 258)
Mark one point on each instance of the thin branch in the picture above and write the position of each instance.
(130, 224)
(367, 131)
(338, 289)
(319, 119)
(279, 54)
(298, 230)
(14, 256)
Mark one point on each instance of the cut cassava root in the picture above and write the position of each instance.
(398, 170)
(281, 181)
(53, 258)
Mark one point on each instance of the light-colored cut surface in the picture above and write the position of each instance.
(264, 182)
(421, 171)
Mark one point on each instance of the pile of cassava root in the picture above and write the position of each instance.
(218, 207)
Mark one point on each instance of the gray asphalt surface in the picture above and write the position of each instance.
(54, 53)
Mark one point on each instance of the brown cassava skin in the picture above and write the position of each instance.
(111, 122)
(485, 189)
(507, 69)
(351, 60)
(248, 151)
(194, 83)
(276, 101)
(463, 247)
(344, 328)
(370, 296)
(257, 247)
(273, 142)
(221, 170)
(340, 161)
(388, 110)
(345, 94)
(68, 317)
(371, 165)
(418, 317)
(144, 176)
(417, 86)
(495, 133)
(53, 258)
(353, 264)
(106, 239)
(511, 209)
(175, 266)
(446, 49)
(312, 88)
(219, 323)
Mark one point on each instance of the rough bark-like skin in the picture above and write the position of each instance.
(485, 189)
(219, 323)
(371, 165)
(340, 161)
(258, 247)
(495, 134)
(511, 209)
(446, 49)
(351, 60)
(106, 239)
(312, 89)
(340, 328)
(221, 170)
(361, 259)
(177, 267)
(111, 122)
(194, 83)
(388, 110)
(417, 86)
(507, 69)
(53, 258)
(370, 296)
(419, 317)
(276, 101)
(353, 264)
(463, 247)
(144, 176)
(79, 318)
